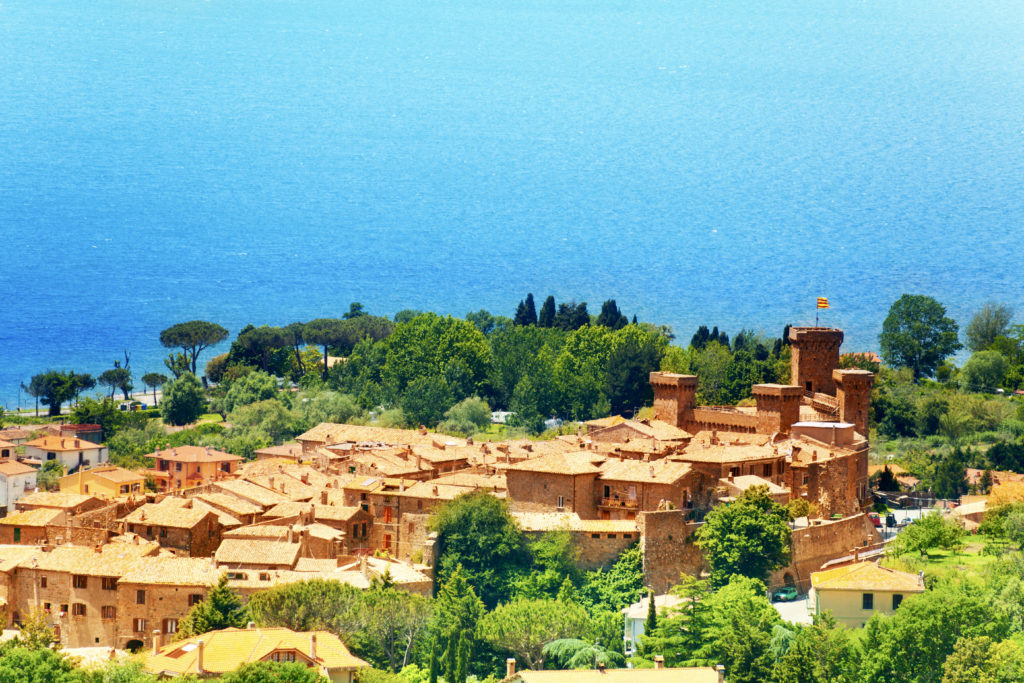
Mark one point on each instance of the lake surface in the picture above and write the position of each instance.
(720, 162)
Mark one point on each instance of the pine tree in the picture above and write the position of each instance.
(547, 313)
(222, 608)
(531, 311)
(652, 614)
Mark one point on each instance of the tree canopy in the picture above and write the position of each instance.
(183, 400)
(192, 338)
(917, 334)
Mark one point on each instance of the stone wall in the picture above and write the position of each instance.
(668, 549)
(815, 545)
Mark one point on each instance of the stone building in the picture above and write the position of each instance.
(188, 526)
(190, 466)
(559, 481)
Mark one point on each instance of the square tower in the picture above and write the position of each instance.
(778, 407)
(674, 397)
(815, 356)
(854, 395)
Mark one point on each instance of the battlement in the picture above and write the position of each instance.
(815, 355)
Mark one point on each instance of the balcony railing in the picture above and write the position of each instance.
(618, 503)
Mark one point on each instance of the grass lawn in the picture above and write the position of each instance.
(210, 417)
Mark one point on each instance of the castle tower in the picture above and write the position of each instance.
(815, 357)
(778, 407)
(674, 397)
(854, 394)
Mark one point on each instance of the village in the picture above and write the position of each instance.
(114, 565)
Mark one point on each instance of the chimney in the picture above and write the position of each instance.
(510, 667)
(419, 461)
(156, 642)
(652, 471)
(323, 497)
(97, 548)
(721, 673)
(659, 662)
(363, 567)
(312, 646)
(305, 478)
(199, 657)
(856, 554)
(270, 480)
(291, 535)
(600, 667)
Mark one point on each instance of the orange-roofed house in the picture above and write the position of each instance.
(73, 453)
(219, 652)
(105, 482)
(190, 466)
(854, 592)
(555, 482)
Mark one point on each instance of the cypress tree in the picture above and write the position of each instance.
(547, 313)
(462, 670)
(222, 608)
(435, 655)
(652, 614)
(531, 311)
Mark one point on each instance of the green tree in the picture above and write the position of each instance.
(619, 586)
(572, 316)
(252, 388)
(313, 605)
(55, 388)
(192, 338)
(116, 672)
(611, 316)
(177, 363)
(679, 634)
(273, 672)
(220, 609)
(916, 334)
(35, 631)
(526, 312)
(325, 332)
(636, 353)
(740, 621)
(468, 416)
(425, 400)
(104, 412)
(355, 310)
(155, 380)
(984, 371)
(546, 317)
(651, 622)
(931, 531)
(396, 621)
(476, 532)
(22, 665)
(574, 653)
(749, 537)
(990, 322)
(523, 627)
(262, 346)
(821, 653)
(432, 347)
(49, 474)
(183, 400)
(117, 378)
(457, 613)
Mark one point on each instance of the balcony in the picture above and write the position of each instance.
(631, 504)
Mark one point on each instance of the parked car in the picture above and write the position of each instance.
(786, 594)
(875, 519)
(890, 520)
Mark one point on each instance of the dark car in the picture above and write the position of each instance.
(890, 520)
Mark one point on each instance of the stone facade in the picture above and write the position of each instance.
(815, 354)
(853, 392)
(778, 407)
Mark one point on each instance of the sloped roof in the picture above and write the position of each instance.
(58, 501)
(655, 471)
(251, 492)
(233, 504)
(602, 422)
(239, 551)
(36, 517)
(169, 515)
(329, 432)
(746, 481)
(13, 468)
(112, 559)
(173, 571)
(561, 463)
(115, 474)
(193, 454)
(867, 576)
(62, 444)
(570, 521)
(229, 649)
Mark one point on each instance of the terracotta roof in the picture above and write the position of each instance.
(746, 481)
(169, 514)
(193, 454)
(62, 444)
(723, 453)
(226, 650)
(251, 492)
(233, 504)
(867, 576)
(602, 422)
(13, 468)
(653, 429)
(173, 571)
(14, 433)
(239, 551)
(113, 559)
(330, 433)
(655, 472)
(52, 499)
(561, 463)
(118, 475)
(288, 450)
(264, 530)
(7, 444)
(37, 517)
(13, 555)
(291, 488)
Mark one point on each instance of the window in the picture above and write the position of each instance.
(627, 535)
(108, 612)
(867, 601)
(139, 625)
(140, 597)
(768, 470)
(177, 467)
(109, 583)
(42, 582)
(611, 535)
(124, 489)
(595, 535)
(419, 504)
(225, 467)
(80, 581)
(17, 534)
(607, 491)
(163, 532)
(264, 576)
(805, 478)
(896, 600)
(77, 609)
(195, 599)
(366, 508)
(561, 501)
(282, 656)
(170, 625)
(46, 607)
(364, 530)
(412, 527)
(809, 385)
(734, 472)
(63, 610)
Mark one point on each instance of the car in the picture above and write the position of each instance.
(786, 594)
(890, 520)
(875, 519)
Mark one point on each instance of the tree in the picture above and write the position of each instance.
(183, 400)
(395, 620)
(635, 355)
(992, 321)
(192, 338)
(611, 317)
(273, 672)
(254, 387)
(35, 631)
(260, 346)
(574, 653)
(56, 387)
(984, 371)
(916, 334)
(155, 380)
(523, 627)
(572, 316)
(22, 665)
(651, 622)
(220, 609)
(887, 480)
(749, 537)
(325, 332)
(468, 416)
(425, 400)
(476, 533)
(314, 605)
(740, 621)
(679, 634)
(177, 363)
(104, 412)
(546, 318)
(117, 378)
(49, 474)
(820, 653)
(457, 612)
(931, 531)
(355, 309)
(526, 312)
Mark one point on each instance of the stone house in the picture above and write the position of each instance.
(260, 496)
(29, 527)
(8, 449)
(628, 486)
(191, 466)
(188, 526)
(555, 482)
(256, 554)
(73, 504)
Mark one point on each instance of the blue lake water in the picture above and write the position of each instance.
(722, 162)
